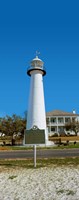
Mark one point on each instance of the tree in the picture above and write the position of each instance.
(73, 126)
(25, 115)
(12, 125)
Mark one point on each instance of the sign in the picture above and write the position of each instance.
(34, 136)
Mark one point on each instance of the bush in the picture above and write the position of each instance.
(62, 134)
(55, 135)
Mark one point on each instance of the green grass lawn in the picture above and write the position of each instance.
(70, 146)
(63, 146)
(64, 140)
(28, 163)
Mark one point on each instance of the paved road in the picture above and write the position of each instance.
(40, 153)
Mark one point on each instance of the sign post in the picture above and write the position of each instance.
(34, 137)
(34, 155)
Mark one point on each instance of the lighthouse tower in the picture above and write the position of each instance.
(36, 117)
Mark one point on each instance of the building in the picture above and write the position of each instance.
(57, 119)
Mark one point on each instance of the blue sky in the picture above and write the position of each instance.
(51, 27)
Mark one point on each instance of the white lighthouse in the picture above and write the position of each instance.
(36, 115)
